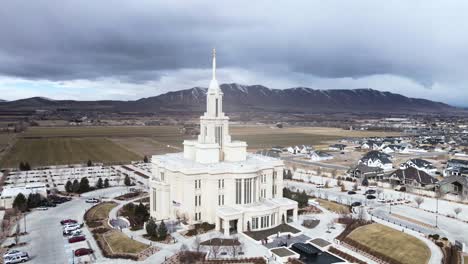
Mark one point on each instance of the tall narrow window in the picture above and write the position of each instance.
(238, 191)
(216, 107)
(154, 199)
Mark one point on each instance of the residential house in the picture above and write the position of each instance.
(412, 177)
(362, 171)
(420, 164)
(318, 155)
(337, 147)
(456, 185)
(376, 158)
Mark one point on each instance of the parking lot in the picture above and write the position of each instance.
(45, 241)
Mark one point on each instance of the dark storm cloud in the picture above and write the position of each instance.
(133, 40)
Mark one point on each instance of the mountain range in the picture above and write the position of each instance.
(240, 98)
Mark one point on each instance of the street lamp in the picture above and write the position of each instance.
(437, 210)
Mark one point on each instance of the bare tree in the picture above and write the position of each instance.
(361, 214)
(457, 211)
(334, 173)
(379, 191)
(319, 171)
(235, 247)
(215, 248)
(355, 186)
(419, 200)
(17, 234)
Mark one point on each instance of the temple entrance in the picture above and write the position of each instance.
(289, 215)
(233, 226)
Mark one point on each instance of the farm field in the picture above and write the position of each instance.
(59, 151)
(65, 145)
(390, 242)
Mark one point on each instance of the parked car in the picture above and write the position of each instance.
(76, 239)
(355, 204)
(76, 232)
(92, 200)
(351, 192)
(320, 185)
(42, 208)
(16, 259)
(13, 253)
(67, 221)
(67, 230)
(370, 197)
(83, 251)
(370, 192)
(381, 200)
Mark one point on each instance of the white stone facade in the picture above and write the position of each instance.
(214, 180)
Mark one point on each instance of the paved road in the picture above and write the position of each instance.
(45, 241)
(314, 163)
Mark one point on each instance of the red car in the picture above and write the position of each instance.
(83, 251)
(68, 221)
(76, 239)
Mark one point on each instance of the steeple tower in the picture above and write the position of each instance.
(214, 142)
(214, 83)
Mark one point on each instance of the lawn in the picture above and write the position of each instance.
(100, 211)
(390, 242)
(334, 207)
(59, 151)
(120, 243)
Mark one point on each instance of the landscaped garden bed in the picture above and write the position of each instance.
(113, 243)
(199, 228)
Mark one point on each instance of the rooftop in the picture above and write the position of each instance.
(253, 163)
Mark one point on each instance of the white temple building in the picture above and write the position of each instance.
(215, 180)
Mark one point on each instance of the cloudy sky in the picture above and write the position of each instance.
(88, 50)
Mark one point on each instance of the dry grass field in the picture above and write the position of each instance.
(121, 243)
(65, 145)
(390, 242)
(58, 151)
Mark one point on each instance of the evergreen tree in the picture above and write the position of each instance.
(27, 167)
(20, 202)
(106, 183)
(99, 183)
(84, 185)
(365, 181)
(162, 231)
(151, 228)
(76, 186)
(68, 186)
(21, 166)
(141, 214)
(34, 200)
(90, 163)
(127, 181)
(145, 159)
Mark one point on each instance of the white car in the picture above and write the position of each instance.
(42, 208)
(70, 225)
(77, 232)
(320, 185)
(13, 253)
(68, 230)
(380, 200)
(16, 259)
(92, 200)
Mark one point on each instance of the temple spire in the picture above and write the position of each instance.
(214, 64)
